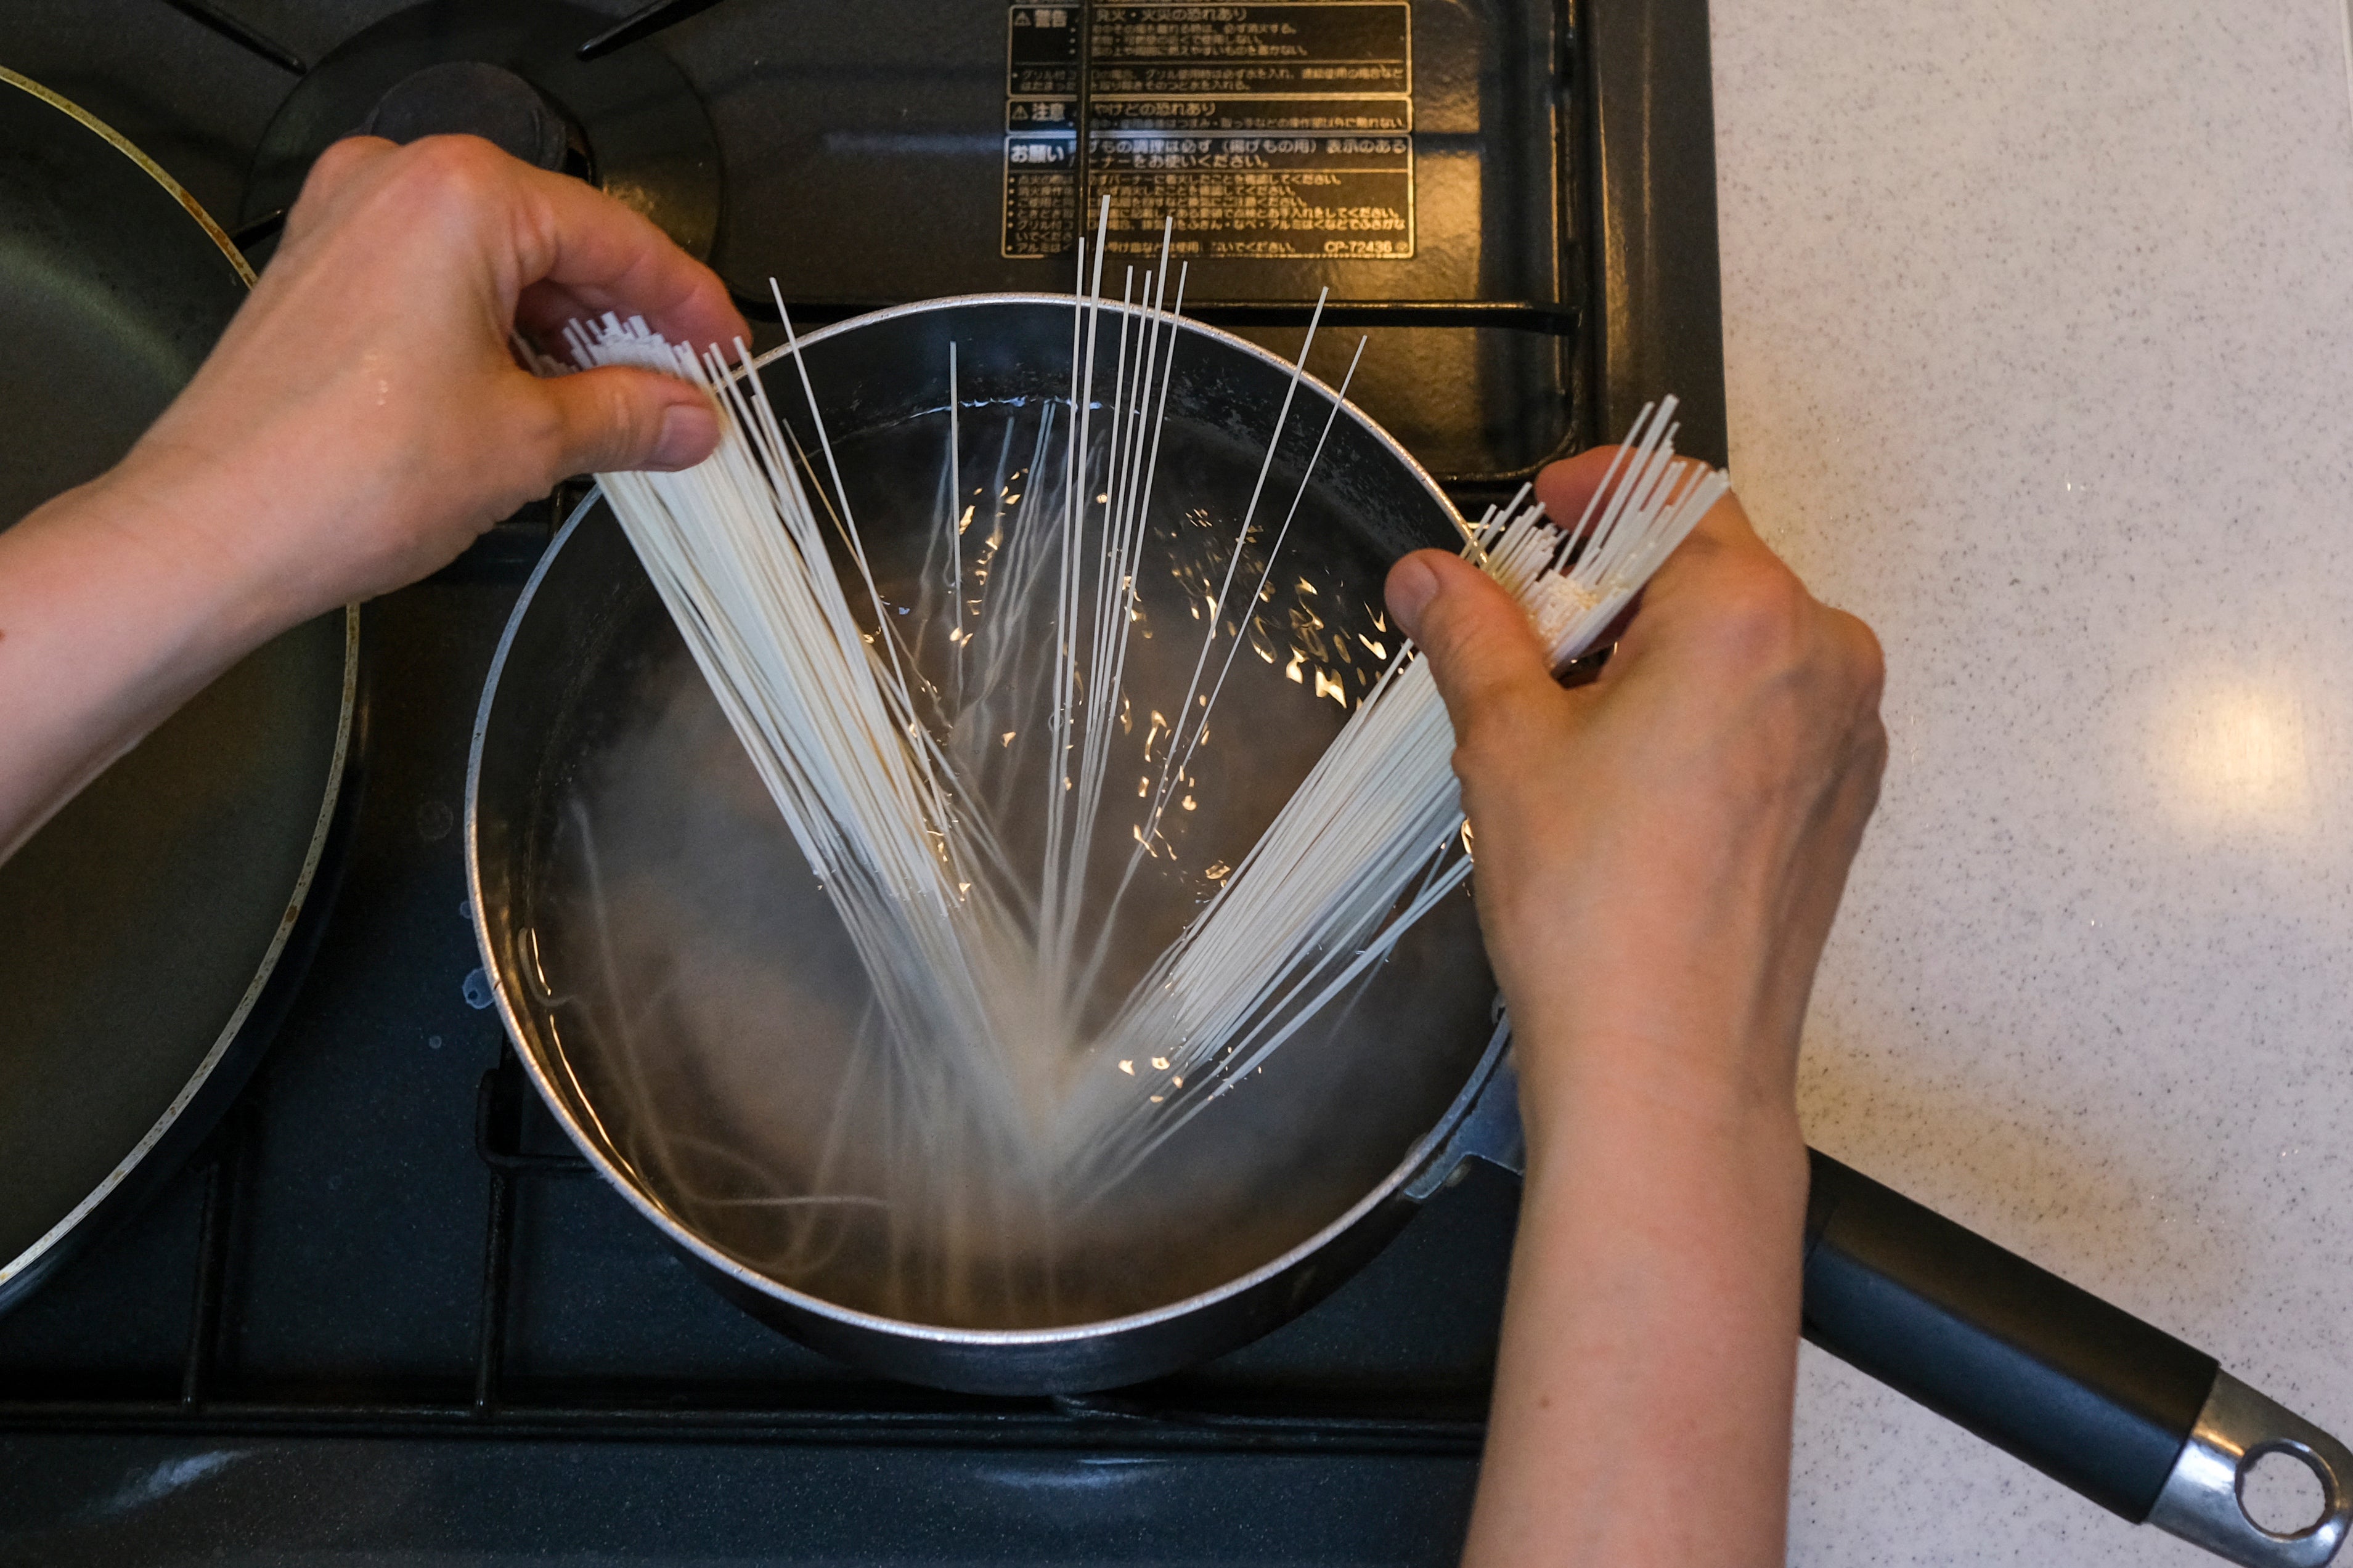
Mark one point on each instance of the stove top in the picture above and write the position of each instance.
(386, 1313)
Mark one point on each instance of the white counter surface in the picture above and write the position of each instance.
(2039, 329)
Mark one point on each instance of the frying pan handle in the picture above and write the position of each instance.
(2085, 1392)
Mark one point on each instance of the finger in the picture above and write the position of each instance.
(1727, 523)
(1574, 487)
(546, 309)
(1483, 651)
(620, 417)
(1865, 657)
(585, 250)
(1567, 488)
(1721, 542)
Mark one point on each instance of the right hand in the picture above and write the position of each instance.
(1660, 852)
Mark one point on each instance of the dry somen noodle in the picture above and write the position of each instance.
(1030, 1052)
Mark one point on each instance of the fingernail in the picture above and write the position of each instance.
(1411, 585)
(689, 432)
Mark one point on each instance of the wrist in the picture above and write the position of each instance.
(1644, 1384)
(110, 626)
(1718, 1184)
(1648, 1093)
(203, 523)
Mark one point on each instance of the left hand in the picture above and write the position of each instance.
(363, 418)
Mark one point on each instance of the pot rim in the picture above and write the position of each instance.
(615, 1170)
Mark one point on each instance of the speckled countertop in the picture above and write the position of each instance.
(2039, 327)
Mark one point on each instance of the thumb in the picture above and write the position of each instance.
(1482, 650)
(620, 416)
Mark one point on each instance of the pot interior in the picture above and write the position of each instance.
(694, 998)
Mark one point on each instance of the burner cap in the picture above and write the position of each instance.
(474, 99)
(508, 71)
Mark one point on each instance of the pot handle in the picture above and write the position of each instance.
(2099, 1400)
(1489, 1130)
(2085, 1392)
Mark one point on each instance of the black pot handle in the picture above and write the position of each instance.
(2085, 1392)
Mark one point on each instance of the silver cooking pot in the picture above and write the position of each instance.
(588, 638)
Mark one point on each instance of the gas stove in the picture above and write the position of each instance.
(386, 1313)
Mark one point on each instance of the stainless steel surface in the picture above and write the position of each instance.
(1489, 1130)
(1395, 502)
(2204, 1499)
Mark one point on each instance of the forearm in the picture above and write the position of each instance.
(1643, 1392)
(109, 621)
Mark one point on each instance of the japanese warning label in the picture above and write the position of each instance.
(1282, 128)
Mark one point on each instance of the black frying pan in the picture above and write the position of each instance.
(151, 933)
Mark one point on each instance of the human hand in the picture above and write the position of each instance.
(363, 418)
(1660, 852)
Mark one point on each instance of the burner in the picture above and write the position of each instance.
(481, 101)
(506, 70)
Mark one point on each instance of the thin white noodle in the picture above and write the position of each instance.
(966, 955)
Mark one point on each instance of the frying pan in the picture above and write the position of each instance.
(152, 932)
(2122, 1412)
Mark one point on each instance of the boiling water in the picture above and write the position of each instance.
(707, 996)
